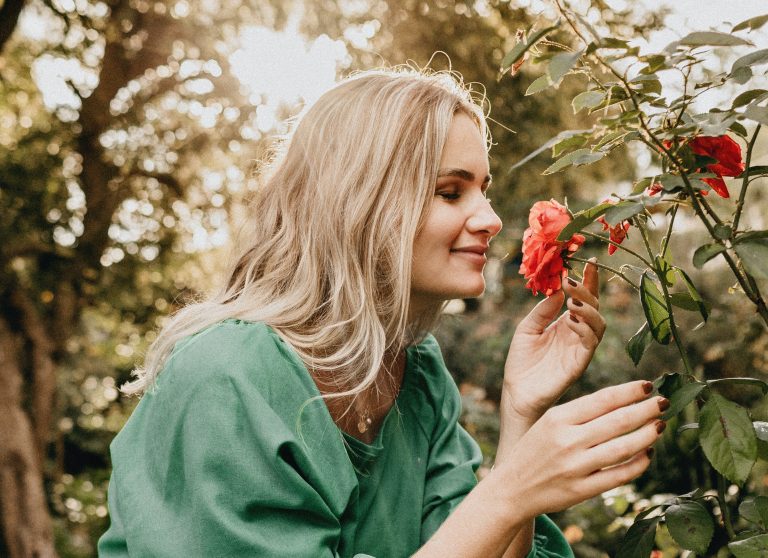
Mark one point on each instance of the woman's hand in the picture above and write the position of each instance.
(583, 448)
(546, 356)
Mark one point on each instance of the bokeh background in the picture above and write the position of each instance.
(131, 133)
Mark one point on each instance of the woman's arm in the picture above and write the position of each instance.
(574, 452)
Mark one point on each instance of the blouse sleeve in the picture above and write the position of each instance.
(213, 470)
(454, 458)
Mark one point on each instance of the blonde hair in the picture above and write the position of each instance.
(326, 257)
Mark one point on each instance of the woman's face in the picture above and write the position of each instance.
(449, 251)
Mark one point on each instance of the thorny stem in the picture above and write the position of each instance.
(665, 240)
(745, 181)
(660, 273)
(607, 268)
(619, 246)
(753, 295)
(724, 509)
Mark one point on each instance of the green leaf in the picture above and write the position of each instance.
(638, 343)
(561, 64)
(752, 23)
(611, 138)
(702, 306)
(756, 170)
(749, 96)
(571, 142)
(681, 397)
(705, 253)
(641, 185)
(755, 510)
(712, 38)
(738, 129)
(539, 84)
(519, 50)
(751, 236)
(686, 302)
(581, 220)
(751, 59)
(722, 231)
(576, 158)
(741, 381)
(741, 75)
(754, 256)
(638, 542)
(753, 547)
(690, 525)
(728, 438)
(758, 114)
(668, 383)
(587, 99)
(655, 310)
(622, 211)
(671, 182)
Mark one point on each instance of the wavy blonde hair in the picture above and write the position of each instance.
(326, 251)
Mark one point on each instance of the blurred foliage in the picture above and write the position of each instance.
(181, 157)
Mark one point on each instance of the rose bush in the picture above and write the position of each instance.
(694, 150)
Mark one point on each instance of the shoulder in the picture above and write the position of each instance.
(234, 351)
(434, 382)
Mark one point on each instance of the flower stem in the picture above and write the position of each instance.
(745, 181)
(607, 268)
(661, 274)
(726, 511)
(619, 246)
(665, 240)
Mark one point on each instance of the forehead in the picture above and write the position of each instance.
(465, 146)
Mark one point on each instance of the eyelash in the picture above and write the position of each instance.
(452, 196)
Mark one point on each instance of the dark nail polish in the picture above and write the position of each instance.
(663, 404)
(572, 283)
(577, 302)
(649, 453)
(660, 426)
(647, 387)
(574, 319)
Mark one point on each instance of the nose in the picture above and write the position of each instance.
(484, 219)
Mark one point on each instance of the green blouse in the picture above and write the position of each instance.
(227, 458)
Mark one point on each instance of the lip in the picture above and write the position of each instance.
(473, 253)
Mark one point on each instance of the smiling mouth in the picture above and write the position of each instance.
(474, 254)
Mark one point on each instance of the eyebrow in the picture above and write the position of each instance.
(463, 174)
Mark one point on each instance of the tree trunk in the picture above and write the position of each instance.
(26, 524)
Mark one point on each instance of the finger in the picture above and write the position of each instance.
(622, 421)
(592, 277)
(619, 450)
(589, 407)
(586, 334)
(611, 477)
(580, 292)
(542, 314)
(587, 314)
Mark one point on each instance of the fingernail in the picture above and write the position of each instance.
(577, 302)
(572, 283)
(574, 318)
(649, 453)
(647, 387)
(663, 404)
(660, 426)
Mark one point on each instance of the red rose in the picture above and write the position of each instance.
(728, 155)
(543, 256)
(618, 233)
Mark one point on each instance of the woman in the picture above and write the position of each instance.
(305, 411)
